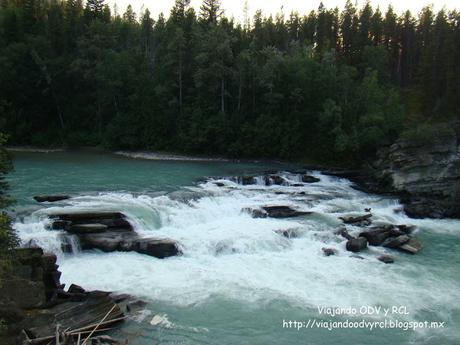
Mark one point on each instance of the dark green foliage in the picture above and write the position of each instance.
(8, 238)
(330, 85)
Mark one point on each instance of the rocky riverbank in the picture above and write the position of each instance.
(424, 174)
(34, 304)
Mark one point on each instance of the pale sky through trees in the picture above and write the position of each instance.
(235, 7)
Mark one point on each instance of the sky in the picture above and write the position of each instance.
(235, 7)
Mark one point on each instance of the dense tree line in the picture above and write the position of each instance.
(332, 84)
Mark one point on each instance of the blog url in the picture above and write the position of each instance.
(361, 324)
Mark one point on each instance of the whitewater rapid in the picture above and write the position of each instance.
(228, 253)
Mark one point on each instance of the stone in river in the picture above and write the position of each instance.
(413, 246)
(387, 259)
(329, 251)
(310, 179)
(396, 242)
(356, 244)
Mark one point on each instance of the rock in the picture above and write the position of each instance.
(60, 225)
(26, 294)
(219, 184)
(87, 228)
(288, 233)
(356, 257)
(413, 246)
(245, 180)
(377, 235)
(84, 216)
(50, 198)
(157, 248)
(359, 220)
(296, 185)
(387, 259)
(407, 229)
(329, 251)
(48, 261)
(276, 179)
(425, 173)
(255, 213)
(310, 179)
(283, 212)
(396, 242)
(344, 233)
(73, 288)
(356, 244)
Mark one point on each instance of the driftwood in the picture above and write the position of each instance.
(103, 319)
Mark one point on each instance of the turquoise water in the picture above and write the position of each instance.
(238, 279)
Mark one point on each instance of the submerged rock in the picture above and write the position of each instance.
(356, 244)
(289, 233)
(387, 259)
(329, 251)
(50, 198)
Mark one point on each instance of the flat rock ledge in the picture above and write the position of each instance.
(109, 232)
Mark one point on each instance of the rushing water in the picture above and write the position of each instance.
(238, 279)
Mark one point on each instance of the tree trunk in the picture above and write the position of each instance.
(49, 81)
(222, 95)
(180, 84)
(240, 92)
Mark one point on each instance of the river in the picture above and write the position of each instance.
(238, 279)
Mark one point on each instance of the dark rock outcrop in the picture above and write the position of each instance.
(110, 231)
(33, 302)
(426, 174)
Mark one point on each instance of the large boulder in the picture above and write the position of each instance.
(356, 244)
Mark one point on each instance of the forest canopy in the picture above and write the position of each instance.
(329, 85)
